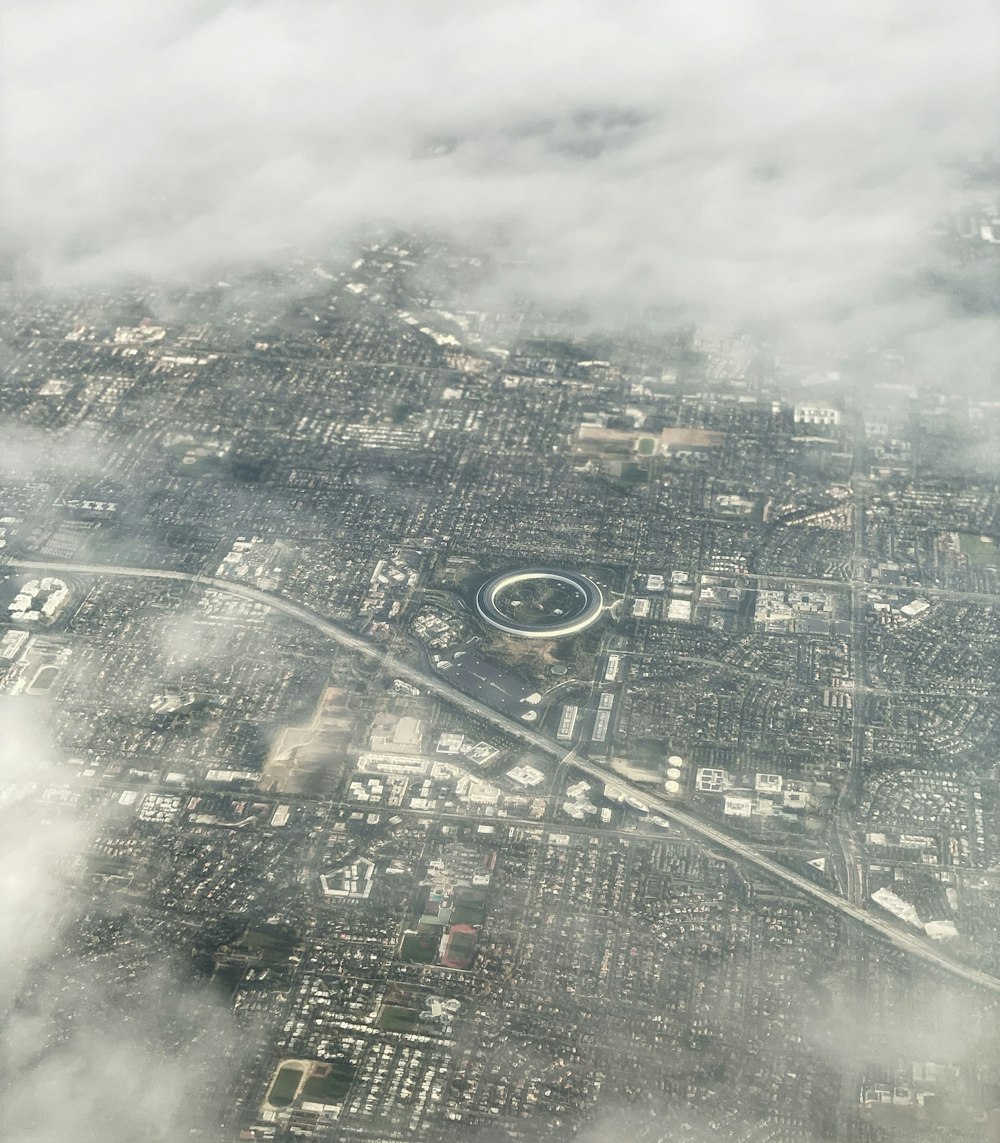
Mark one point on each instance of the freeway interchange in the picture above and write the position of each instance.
(734, 847)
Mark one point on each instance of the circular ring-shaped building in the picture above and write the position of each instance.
(553, 603)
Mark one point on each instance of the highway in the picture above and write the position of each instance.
(899, 937)
(850, 795)
(416, 675)
(949, 595)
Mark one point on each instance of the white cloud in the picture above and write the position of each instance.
(761, 157)
(86, 1052)
(33, 847)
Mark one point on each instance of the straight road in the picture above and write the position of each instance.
(950, 595)
(743, 851)
(850, 795)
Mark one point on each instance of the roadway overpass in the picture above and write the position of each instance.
(741, 850)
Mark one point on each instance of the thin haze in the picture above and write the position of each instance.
(84, 1053)
(765, 159)
(761, 159)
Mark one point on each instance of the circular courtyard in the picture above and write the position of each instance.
(539, 603)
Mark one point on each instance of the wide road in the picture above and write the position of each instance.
(899, 937)
(850, 793)
(948, 594)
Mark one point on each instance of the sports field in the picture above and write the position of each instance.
(284, 1085)
(977, 552)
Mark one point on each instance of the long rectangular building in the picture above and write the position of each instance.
(567, 721)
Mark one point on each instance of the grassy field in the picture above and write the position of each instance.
(328, 1083)
(470, 906)
(228, 977)
(273, 944)
(394, 1018)
(270, 939)
(285, 1085)
(44, 679)
(986, 555)
(420, 947)
(633, 474)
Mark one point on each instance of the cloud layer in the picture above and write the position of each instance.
(105, 1048)
(763, 158)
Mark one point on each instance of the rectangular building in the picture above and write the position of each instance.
(567, 722)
